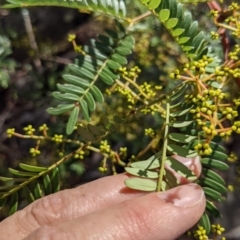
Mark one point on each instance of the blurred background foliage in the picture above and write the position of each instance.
(33, 54)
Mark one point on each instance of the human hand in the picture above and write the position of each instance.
(106, 209)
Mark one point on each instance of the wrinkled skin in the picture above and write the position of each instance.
(105, 209)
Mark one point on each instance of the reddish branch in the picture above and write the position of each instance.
(222, 15)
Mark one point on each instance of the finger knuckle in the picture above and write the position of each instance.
(48, 209)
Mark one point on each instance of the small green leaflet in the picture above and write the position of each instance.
(205, 223)
(141, 172)
(13, 203)
(164, 15)
(85, 111)
(181, 151)
(150, 163)
(31, 168)
(141, 184)
(154, 4)
(72, 121)
(180, 168)
(171, 23)
(181, 138)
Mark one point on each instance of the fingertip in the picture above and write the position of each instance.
(184, 196)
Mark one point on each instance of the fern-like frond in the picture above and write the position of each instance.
(181, 26)
(182, 139)
(116, 8)
(104, 56)
(32, 182)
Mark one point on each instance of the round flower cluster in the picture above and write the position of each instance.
(79, 154)
(200, 233)
(44, 127)
(57, 138)
(203, 149)
(218, 229)
(105, 147)
(102, 169)
(34, 151)
(29, 130)
(131, 73)
(10, 132)
(147, 88)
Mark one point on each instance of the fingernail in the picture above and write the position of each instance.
(183, 196)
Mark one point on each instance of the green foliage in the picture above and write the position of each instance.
(114, 8)
(103, 57)
(179, 23)
(6, 65)
(32, 182)
(103, 92)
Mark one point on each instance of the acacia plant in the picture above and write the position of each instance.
(105, 91)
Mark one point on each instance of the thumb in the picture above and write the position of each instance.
(164, 216)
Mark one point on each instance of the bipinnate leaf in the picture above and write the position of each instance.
(86, 135)
(113, 65)
(212, 194)
(119, 59)
(28, 194)
(6, 179)
(90, 101)
(213, 163)
(5, 188)
(180, 168)
(101, 60)
(211, 208)
(141, 172)
(214, 185)
(205, 223)
(181, 151)
(141, 184)
(55, 180)
(84, 108)
(61, 108)
(2, 202)
(181, 112)
(47, 185)
(181, 138)
(171, 23)
(36, 189)
(95, 130)
(97, 94)
(150, 163)
(180, 124)
(72, 121)
(178, 93)
(85, 74)
(154, 4)
(122, 50)
(183, 40)
(116, 8)
(164, 15)
(106, 123)
(13, 203)
(75, 80)
(21, 173)
(31, 168)
(17, 180)
(171, 180)
(173, 16)
(177, 32)
(208, 173)
(69, 88)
